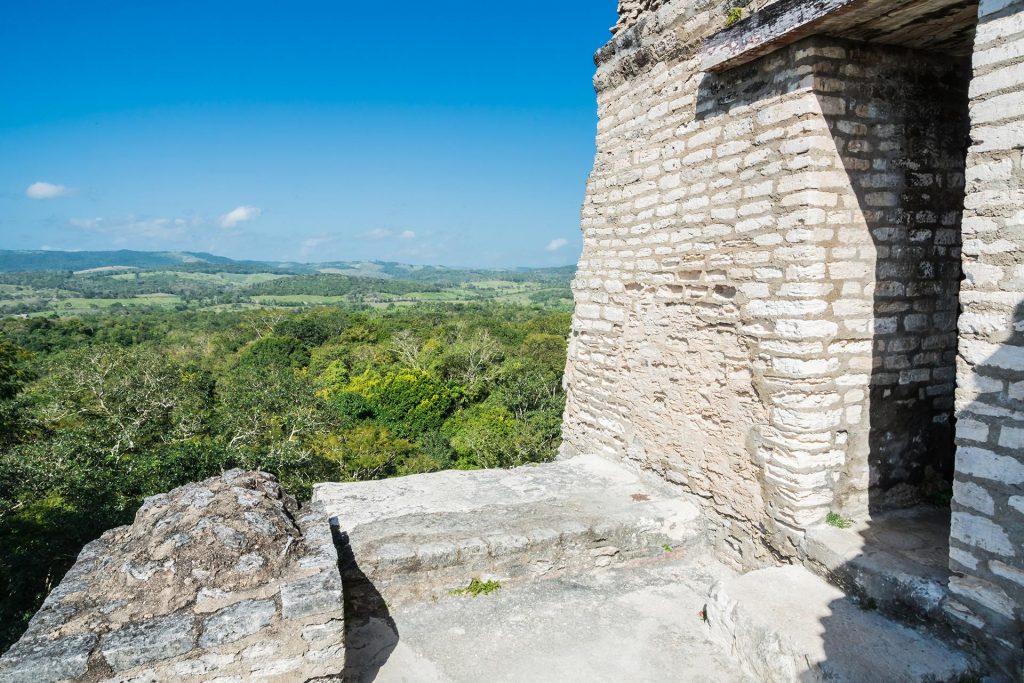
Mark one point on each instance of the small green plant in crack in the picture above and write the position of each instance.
(838, 521)
(476, 588)
(666, 547)
(734, 16)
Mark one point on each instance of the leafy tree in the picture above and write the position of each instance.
(410, 402)
(332, 380)
(481, 436)
(268, 417)
(275, 351)
(469, 360)
(525, 385)
(15, 373)
(121, 400)
(368, 452)
(327, 354)
(350, 407)
(315, 327)
(546, 350)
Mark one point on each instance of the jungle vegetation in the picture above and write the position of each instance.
(100, 410)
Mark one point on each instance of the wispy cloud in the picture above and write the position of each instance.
(556, 244)
(385, 234)
(238, 215)
(41, 190)
(122, 230)
(310, 245)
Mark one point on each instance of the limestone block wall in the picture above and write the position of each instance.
(630, 11)
(759, 265)
(987, 540)
(703, 299)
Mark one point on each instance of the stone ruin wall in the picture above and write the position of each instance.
(899, 120)
(631, 11)
(987, 540)
(768, 294)
(751, 253)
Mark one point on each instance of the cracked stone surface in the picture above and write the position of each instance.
(192, 591)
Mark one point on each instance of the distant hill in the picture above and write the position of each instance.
(25, 261)
(32, 261)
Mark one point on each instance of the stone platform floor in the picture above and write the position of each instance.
(606, 575)
(898, 560)
(634, 623)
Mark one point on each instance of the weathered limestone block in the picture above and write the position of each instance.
(221, 579)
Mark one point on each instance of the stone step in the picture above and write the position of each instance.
(896, 562)
(640, 624)
(419, 537)
(787, 624)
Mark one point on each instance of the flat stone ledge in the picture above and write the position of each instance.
(944, 26)
(786, 624)
(769, 29)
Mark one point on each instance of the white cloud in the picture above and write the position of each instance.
(385, 234)
(556, 244)
(41, 190)
(238, 215)
(309, 245)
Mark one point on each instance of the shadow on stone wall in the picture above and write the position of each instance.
(904, 138)
(995, 640)
(371, 634)
(898, 119)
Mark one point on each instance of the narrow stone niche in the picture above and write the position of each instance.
(903, 138)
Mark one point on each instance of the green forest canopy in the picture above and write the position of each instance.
(98, 412)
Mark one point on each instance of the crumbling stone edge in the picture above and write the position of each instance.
(226, 580)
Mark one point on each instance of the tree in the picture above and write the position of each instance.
(123, 400)
(268, 415)
(406, 347)
(525, 385)
(275, 351)
(368, 452)
(469, 360)
(15, 374)
(410, 402)
(482, 436)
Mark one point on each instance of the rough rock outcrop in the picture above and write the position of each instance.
(222, 580)
(630, 11)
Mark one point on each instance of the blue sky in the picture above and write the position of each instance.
(455, 133)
